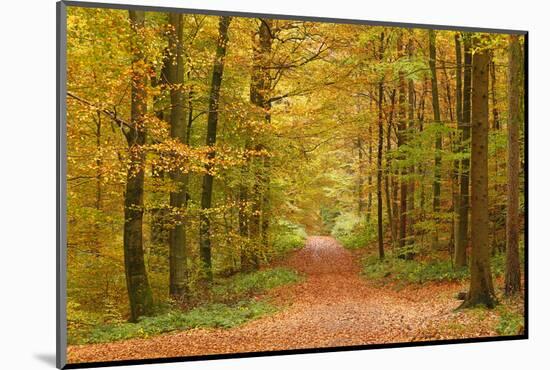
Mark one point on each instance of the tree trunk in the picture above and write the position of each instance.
(178, 131)
(369, 178)
(411, 128)
(208, 179)
(360, 179)
(461, 238)
(390, 188)
(260, 87)
(496, 118)
(512, 282)
(456, 146)
(139, 291)
(401, 140)
(379, 157)
(481, 280)
(438, 140)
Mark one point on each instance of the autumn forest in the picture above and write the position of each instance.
(240, 184)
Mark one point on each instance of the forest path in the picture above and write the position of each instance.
(334, 306)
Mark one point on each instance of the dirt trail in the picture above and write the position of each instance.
(334, 306)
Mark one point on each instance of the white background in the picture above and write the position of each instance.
(27, 186)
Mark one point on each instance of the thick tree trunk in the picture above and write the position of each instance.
(461, 237)
(379, 157)
(260, 87)
(438, 139)
(178, 131)
(139, 291)
(512, 282)
(208, 179)
(481, 280)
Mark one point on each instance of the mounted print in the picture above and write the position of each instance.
(234, 184)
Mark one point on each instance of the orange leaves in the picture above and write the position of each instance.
(334, 306)
(171, 155)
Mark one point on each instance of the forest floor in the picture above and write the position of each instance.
(333, 306)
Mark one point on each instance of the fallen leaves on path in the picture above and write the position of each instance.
(334, 306)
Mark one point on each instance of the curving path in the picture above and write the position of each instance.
(334, 306)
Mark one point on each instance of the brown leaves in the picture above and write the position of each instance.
(333, 307)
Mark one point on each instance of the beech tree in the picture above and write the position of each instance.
(512, 282)
(481, 281)
(178, 131)
(460, 257)
(208, 179)
(139, 291)
(438, 137)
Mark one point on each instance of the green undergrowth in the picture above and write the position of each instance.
(352, 231)
(287, 238)
(420, 271)
(242, 286)
(215, 315)
(411, 271)
(232, 302)
(511, 322)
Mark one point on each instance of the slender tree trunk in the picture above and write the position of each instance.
(98, 163)
(379, 157)
(360, 179)
(139, 291)
(208, 179)
(512, 282)
(410, 105)
(369, 178)
(390, 187)
(447, 85)
(422, 166)
(456, 146)
(481, 280)
(496, 117)
(178, 131)
(461, 239)
(159, 215)
(438, 139)
(401, 140)
(249, 261)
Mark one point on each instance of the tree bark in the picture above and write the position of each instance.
(139, 291)
(208, 179)
(512, 282)
(379, 156)
(481, 280)
(456, 145)
(178, 131)
(461, 238)
(389, 184)
(496, 116)
(360, 178)
(401, 140)
(411, 129)
(260, 87)
(438, 139)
